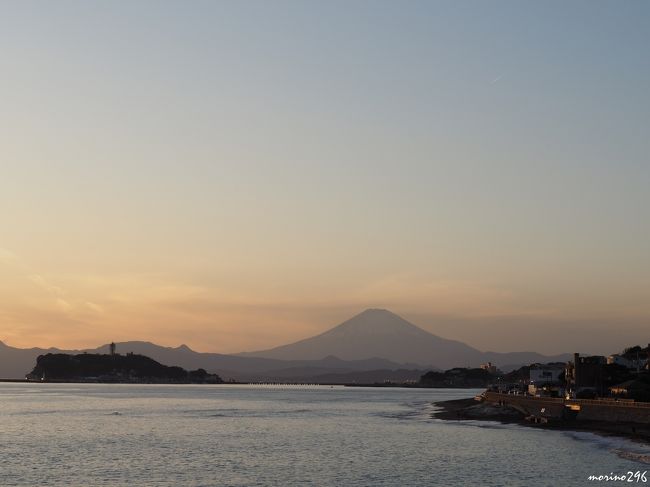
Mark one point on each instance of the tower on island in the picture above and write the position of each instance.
(112, 347)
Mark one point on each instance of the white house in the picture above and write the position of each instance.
(544, 375)
(626, 362)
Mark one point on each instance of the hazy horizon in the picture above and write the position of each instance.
(238, 176)
(474, 339)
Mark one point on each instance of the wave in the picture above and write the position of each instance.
(622, 447)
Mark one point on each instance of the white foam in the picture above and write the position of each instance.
(623, 447)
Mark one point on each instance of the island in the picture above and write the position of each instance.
(114, 368)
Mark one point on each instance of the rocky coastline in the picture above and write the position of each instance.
(471, 409)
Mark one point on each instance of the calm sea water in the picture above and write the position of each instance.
(146, 435)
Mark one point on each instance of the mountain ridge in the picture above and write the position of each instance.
(17, 362)
(381, 333)
(374, 339)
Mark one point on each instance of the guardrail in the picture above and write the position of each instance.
(605, 402)
(583, 402)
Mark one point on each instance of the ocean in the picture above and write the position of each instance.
(202, 435)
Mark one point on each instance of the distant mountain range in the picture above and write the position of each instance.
(380, 333)
(17, 362)
(373, 344)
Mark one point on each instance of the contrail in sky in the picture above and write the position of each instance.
(496, 79)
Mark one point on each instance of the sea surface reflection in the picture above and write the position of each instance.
(152, 435)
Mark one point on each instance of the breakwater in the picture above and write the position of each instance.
(575, 409)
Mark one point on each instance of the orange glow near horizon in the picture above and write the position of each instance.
(236, 178)
(68, 311)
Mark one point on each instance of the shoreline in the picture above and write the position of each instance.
(230, 381)
(108, 382)
(470, 409)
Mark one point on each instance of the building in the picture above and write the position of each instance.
(490, 368)
(636, 364)
(620, 360)
(546, 373)
(546, 379)
(634, 388)
(586, 373)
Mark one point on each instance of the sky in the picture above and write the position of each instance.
(239, 175)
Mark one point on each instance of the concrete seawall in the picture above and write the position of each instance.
(578, 409)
